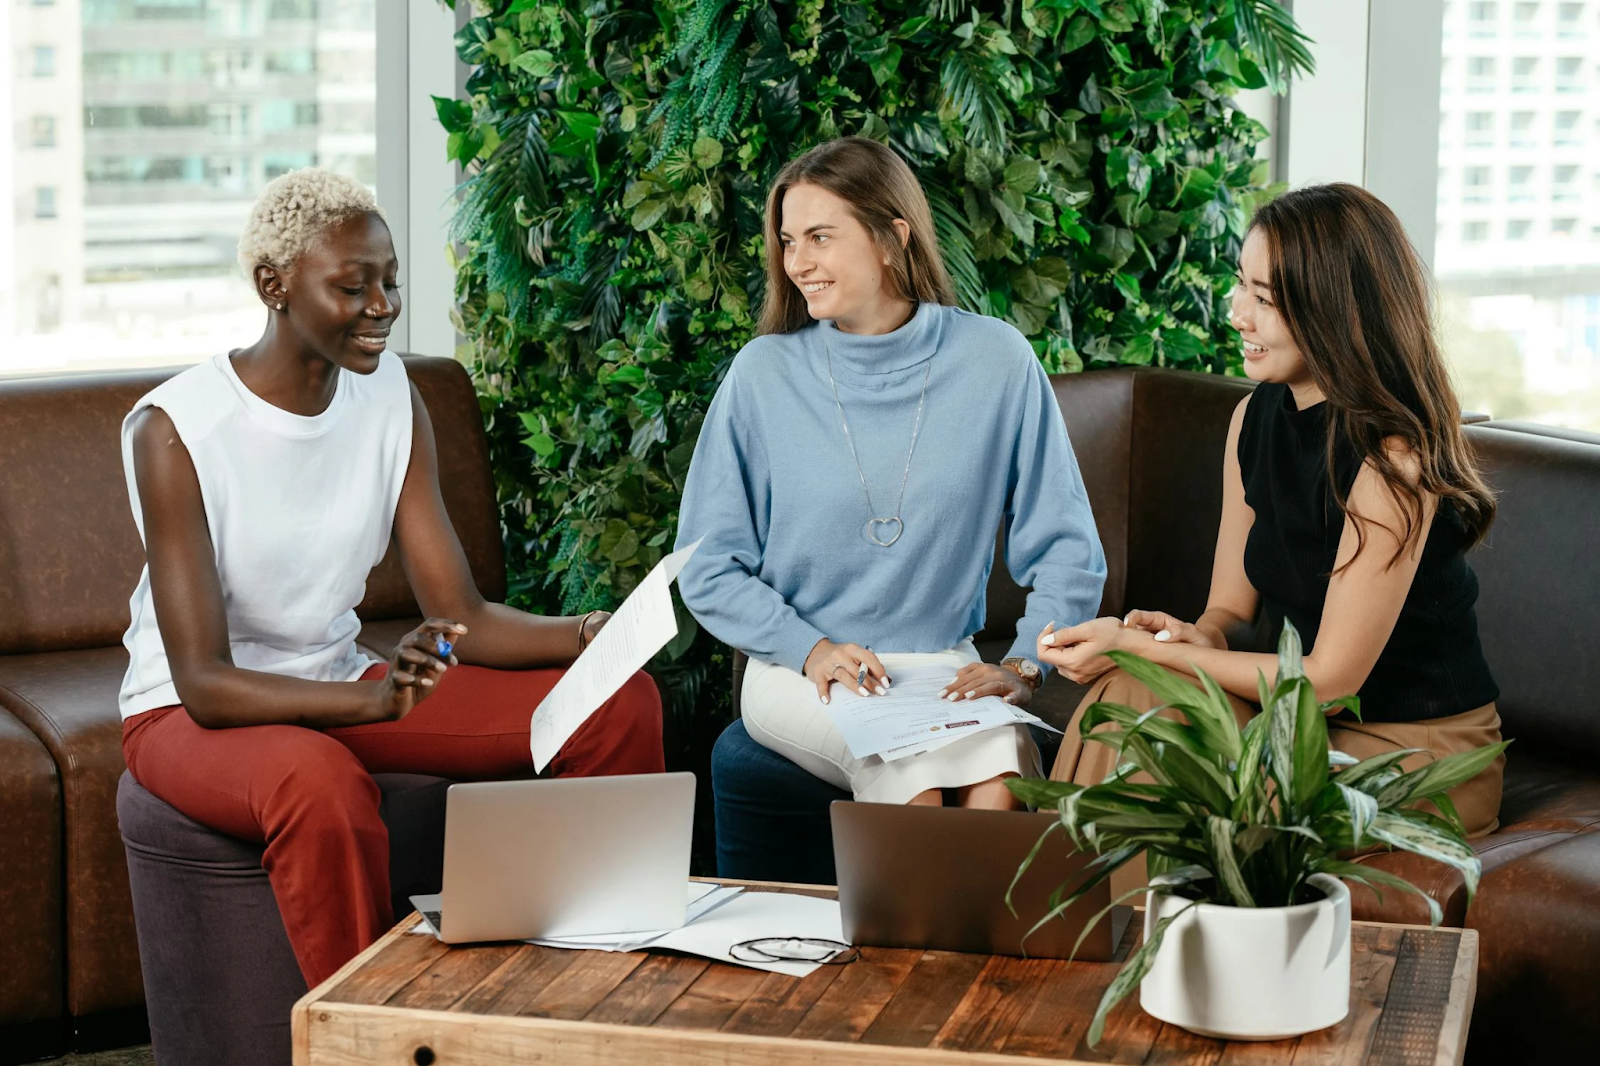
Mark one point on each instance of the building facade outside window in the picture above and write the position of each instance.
(1517, 251)
(152, 125)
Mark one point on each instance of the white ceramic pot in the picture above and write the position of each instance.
(1251, 973)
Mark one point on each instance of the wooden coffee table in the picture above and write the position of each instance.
(410, 1001)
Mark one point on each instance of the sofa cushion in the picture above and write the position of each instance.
(30, 894)
(1543, 794)
(69, 700)
(1540, 937)
(1537, 608)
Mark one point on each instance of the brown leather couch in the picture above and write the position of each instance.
(1150, 445)
(69, 559)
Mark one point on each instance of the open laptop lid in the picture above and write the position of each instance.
(936, 877)
(565, 857)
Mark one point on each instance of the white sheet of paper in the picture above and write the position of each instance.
(639, 628)
(912, 718)
(754, 916)
(703, 899)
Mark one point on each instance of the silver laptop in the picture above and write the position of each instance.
(563, 857)
(936, 877)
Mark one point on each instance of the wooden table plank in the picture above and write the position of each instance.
(584, 983)
(779, 1003)
(714, 997)
(856, 997)
(995, 1003)
(1174, 1045)
(451, 977)
(517, 983)
(650, 989)
(1372, 956)
(923, 1003)
(391, 969)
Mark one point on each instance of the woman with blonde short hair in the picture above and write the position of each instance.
(850, 477)
(267, 482)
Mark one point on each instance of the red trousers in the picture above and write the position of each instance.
(308, 794)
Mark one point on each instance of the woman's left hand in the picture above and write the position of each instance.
(1079, 651)
(976, 680)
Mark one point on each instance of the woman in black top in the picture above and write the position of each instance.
(1349, 501)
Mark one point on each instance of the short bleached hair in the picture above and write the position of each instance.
(294, 210)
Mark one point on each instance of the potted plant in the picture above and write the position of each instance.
(1246, 833)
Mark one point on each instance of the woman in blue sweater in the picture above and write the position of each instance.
(850, 477)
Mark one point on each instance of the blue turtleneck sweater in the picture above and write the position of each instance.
(773, 490)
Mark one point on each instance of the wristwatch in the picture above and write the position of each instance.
(1026, 669)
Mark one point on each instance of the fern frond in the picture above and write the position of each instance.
(970, 92)
(955, 243)
(1279, 45)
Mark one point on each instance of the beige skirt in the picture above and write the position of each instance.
(782, 713)
(1477, 801)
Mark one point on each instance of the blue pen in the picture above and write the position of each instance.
(444, 647)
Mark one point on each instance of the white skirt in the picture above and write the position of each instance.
(782, 713)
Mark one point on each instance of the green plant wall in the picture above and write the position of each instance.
(1089, 173)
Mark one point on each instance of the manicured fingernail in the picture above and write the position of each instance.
(1127, 620)
(862, 690)
(427, 681)
(943, 693)
(1164, 635)
(824, 699)
(952, 697)
(1048, 640)
(882, 691)
(971, 694)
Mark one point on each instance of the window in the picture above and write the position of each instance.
(1566, 128)
(150, 158)
(1563, 227)
(1524, 74)
(1475, 232)
(1569, 74)
(1522, 129)
(1525, 14)
(1480, 74)
(1518, 228)
(1480, 129)
(1476, 182)
(1569, 19)
(1564, 182)
(1481, 12)
(1521, 184)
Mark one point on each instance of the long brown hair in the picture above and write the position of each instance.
(1355, 297)
(879, 187)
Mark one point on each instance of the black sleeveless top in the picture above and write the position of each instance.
(1433, 665)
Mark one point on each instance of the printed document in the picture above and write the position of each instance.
(913, 718)
(639, 628)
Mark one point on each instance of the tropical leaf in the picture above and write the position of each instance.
(1444, 774)
(1133, 971)
(1270, 34)
(1220, 832)
(1372, 877)
(970, 92)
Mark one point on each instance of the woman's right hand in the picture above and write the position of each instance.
(829, 663)
(416, 667)
(1167, 629)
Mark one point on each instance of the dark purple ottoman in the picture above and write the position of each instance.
(219, 978)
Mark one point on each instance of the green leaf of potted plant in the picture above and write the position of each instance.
(1246, 834)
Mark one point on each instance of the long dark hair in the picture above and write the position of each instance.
(879, 187)
(1355, 297)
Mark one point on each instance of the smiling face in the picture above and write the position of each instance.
(340, 297)
(1270, 352)
(834, 262)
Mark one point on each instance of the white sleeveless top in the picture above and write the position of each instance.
(300, 510)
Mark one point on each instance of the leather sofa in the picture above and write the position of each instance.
(1150, 445)
(69, 559)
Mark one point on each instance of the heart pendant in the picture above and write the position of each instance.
(872, 530)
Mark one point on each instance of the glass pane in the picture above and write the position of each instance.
(1518, 247)
(144, 130)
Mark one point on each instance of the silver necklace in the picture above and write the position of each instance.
(875, 523)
